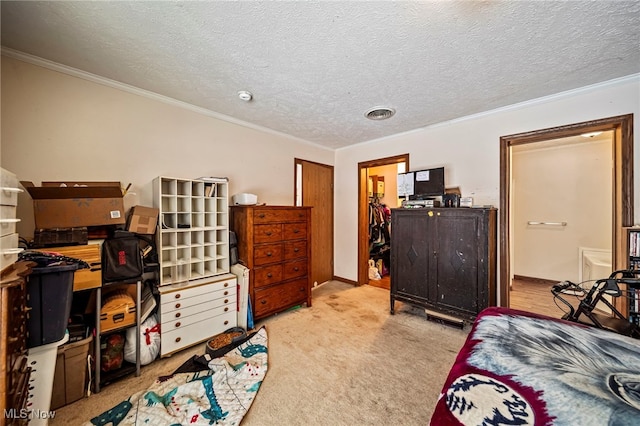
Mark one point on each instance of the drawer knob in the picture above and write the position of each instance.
(226, 292)
(302, 289)
(269, 254)
(226, 322)
(296, 269)
(269, 275)
(178, 339)
(178, 324)
(178, 315)
(177, 305)
(226, 284)
(296, 231)
(261, 215)
(268, 233)
(226, 309)
(264, 302)
(177, 296)
(226, 300)
(295, 250)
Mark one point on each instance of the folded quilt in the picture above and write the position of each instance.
(221, 394)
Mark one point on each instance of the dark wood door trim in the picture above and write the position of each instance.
(363, 224)
(622, 184)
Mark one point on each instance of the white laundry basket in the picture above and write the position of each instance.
(42, 360)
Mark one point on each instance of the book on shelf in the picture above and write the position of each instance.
(634, 244)
(209, 190)
(148, 304)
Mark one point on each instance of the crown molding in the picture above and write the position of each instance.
(54, 66)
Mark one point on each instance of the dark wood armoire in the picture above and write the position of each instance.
(444, 259)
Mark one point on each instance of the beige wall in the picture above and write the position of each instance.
(568, 183)
(469, 150)
(60, 127)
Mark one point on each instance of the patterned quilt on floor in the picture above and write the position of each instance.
(220, 395)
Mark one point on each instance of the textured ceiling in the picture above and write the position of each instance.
(316, 67)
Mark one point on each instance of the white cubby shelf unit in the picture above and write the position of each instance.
(193, 241)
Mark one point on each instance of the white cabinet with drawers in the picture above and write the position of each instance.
(9, 190)
(194, 311)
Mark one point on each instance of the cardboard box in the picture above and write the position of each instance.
(70, 377)
(77, 204)
(143, 220)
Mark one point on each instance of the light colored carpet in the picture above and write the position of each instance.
(344, 361)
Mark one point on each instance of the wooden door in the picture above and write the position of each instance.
(314, 188)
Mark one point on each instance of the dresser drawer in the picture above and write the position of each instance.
(294, 231)
(277, 215)
(295, 249)
(267, 275)
(267, 253)
(188, 335)
(267, 233)
(179, 293)
(9, 250)
(212, 301)
(279, 297)
(181, 319)
(295, 269)
(171, 303)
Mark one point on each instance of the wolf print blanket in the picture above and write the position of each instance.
(219, 395)
(518, 368)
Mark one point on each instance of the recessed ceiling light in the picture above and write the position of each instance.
(245, 96)
(380, 113)
(590, 134)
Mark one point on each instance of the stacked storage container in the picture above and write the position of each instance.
(9, 190)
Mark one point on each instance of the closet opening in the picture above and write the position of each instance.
(378, 194)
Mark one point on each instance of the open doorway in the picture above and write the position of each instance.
(377, 185)
(620, 180)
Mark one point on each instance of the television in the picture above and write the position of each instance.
(427, 184)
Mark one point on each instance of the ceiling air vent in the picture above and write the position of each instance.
(380, 113)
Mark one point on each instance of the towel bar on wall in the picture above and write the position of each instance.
(548, 223)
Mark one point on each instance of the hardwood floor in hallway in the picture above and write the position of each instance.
(385, 282)
(536, 297)
(530, 296)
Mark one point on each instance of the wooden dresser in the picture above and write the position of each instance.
(274, 242)
(14, 368)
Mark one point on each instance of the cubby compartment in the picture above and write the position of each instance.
(195, 227)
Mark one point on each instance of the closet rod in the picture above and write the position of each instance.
(547, 223)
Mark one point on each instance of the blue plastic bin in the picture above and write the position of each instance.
(49, 296)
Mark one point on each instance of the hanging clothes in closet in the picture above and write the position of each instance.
(380, 235)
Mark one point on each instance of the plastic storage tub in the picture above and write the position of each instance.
(49, 295)
(42, 361)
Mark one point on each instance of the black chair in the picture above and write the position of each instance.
(586, 312)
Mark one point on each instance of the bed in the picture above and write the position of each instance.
(518, 368)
